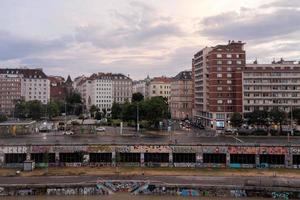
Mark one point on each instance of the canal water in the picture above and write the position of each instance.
(120, 196)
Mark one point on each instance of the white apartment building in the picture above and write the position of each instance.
(268, 86)
(100, 91)
(35, 85)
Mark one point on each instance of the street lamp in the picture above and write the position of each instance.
(137, 119)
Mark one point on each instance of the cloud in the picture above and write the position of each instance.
(282, 4)
(142, 25)
(248, 25)
(14, 46)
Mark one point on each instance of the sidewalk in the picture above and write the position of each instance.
(128, 171)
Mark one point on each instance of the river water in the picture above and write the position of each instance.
(119, 196)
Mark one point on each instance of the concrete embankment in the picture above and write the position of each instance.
(271, 188)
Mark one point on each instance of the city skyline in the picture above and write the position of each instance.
(139, 37)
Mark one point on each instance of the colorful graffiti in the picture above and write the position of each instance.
(242, 150)
(40, 149)
(272, 150)
(214, 149)
(67, 149)
(100, 149)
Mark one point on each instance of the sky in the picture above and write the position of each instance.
(141, 37)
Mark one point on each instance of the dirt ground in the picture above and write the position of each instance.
(69, 171)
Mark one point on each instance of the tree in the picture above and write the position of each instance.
(116, 111)
(278, 117)
(236, 120)
(3, 118)
(98, 115)
(137, 97)
(74, 103)
(93, 110)
(296, 115)
(35, 109)
(258, 117)
(53, 109)
(104, 112)
(21, 109)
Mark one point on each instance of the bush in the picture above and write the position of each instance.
(75, 123)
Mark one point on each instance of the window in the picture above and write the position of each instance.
(229, 69)
(219, 101)
(228, 56)
(219, 75)
(229, 62)
(229, 75)
(238, 62)
(219, 68)
(219, 62)
(219, 88)
(229, 82)
(219, 55)
(229, 101)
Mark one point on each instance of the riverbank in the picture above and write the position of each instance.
(160, 171)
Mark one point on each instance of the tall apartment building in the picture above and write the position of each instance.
(122, 88)
(181, 101)
(268, 86)
(10, 89)
(218, 83)
(160, 86)
(27, 84)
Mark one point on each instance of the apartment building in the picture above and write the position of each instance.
(121, 88)
(10, 89)
(218, 83)
(35, 85)
(23, 83)
(181, 100)
(160, 86)
(268, 86)
(102, 89)
(141, 86)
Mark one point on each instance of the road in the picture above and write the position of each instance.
(112, 136)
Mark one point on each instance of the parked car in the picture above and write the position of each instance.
(230, 131)
(68, 133)
(100, 129)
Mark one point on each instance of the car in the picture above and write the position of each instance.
(230, 131)
(68, 133)
(100, 129)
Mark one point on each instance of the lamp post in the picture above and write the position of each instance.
(137, 119)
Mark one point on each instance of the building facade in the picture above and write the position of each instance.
(22, 84)
(10, 89)
(218, 83)
(141, 86)
(121, 88)
(35, 85)
(160, 86)
(181, 101)
(269, 86)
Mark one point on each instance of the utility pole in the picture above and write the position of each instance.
(137, 119)
(65, 115)
(292, 131)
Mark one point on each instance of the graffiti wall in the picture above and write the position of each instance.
(100, 149)
(69, 149)
(272, 150)
(242, 150)
(214, 149)
(14, 149)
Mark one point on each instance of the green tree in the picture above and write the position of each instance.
(258, 117)
(93, 110)
(21, 110)
(296, 115)
(278, 117)
(3, 118)
(137, 97)
(156, 110)
(35, 109)
(98, 115)
(53, 109)
(236, 120)
(104, 112)
(74, 103)
(116, 111)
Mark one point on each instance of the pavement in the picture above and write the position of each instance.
(113, 136)
(187, 180)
